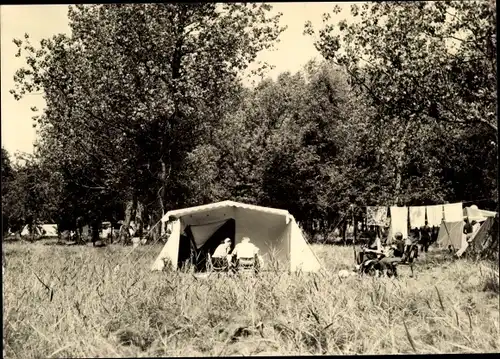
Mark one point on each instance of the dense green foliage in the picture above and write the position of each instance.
(146, 108)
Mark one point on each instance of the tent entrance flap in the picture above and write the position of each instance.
(202, 233)
(226, 230)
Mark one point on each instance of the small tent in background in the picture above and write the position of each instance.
(200, 229)
(41, 230)
(49, 230)
(26, 231)
(451, 234)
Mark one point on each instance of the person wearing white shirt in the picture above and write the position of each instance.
(222, 249)
(247, 249)
(221, 258)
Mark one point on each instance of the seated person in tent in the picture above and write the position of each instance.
(221, 254)
(246, 250)
(467, 226)
(471, 229)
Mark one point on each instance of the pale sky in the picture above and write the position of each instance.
(41, 21)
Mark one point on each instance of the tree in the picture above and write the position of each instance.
(424, 67)
(33, 194)
(6, 177)
(6, 166)
(289, 136)
(139, 103)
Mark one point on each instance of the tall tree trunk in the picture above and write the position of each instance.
(399, 165)
(355, 230)
(344, 232)
(131, 206)
(161, 192)
(139, 218)
(397, 187)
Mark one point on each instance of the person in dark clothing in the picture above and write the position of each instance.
(372, 237)
(398, 245)
(79, 229)
(434, 234)
(467, 226)
(94, 227)
(425, 237)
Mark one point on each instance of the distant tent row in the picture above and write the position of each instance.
(400, 219)
(450, 217)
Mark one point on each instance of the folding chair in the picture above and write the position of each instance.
(247, 265)
(218, 264)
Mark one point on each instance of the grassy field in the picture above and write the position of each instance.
(89, 307)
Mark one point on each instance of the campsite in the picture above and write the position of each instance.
(91, 309)
(227, 179)
(117, 302)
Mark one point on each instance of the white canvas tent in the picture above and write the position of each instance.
(26, 231)
(451, 234)
(476, 214)
(49, 230)
(45, 230)
(274, 231)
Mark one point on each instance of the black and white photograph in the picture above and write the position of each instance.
(204, 179)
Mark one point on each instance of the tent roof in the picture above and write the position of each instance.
(477, 214)
(217, 205)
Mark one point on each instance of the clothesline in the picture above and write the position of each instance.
(438, 204)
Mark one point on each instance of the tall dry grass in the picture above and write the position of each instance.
(72, 302)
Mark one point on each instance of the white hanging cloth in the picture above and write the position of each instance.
(434, 215)
(453, 212)
(399, 221)
(417, 216)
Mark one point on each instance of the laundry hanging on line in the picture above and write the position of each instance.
(399, 221)
(376, 216)
(453, 212)
(417, 216)
(434, 215)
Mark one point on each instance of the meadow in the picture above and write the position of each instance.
(87, 302)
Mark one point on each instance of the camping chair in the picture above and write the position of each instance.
(247, 265)
(218, 264)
